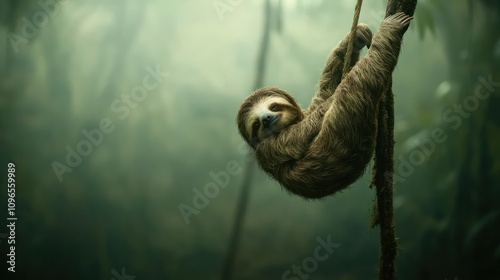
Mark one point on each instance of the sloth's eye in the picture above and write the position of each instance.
(274, 107)
(256, 125)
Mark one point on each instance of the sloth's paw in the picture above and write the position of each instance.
(401, 19)
(363, 36)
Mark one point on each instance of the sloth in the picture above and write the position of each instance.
(317, 151)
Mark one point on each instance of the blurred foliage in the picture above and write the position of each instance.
(424, 18)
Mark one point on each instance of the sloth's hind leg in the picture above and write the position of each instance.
(333, 71)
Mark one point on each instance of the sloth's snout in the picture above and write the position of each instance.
(268, 119)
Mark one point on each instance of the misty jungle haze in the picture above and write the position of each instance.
(118, 114)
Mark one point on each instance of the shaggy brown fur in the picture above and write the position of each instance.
(327, 146)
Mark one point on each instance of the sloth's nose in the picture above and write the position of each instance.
(267, 119)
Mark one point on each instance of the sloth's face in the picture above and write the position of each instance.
(268, 116)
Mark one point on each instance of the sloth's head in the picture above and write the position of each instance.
(265, 113)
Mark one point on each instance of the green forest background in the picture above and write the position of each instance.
(68, 69)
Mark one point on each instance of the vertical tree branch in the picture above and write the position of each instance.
(384, 166)
(382, 179)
